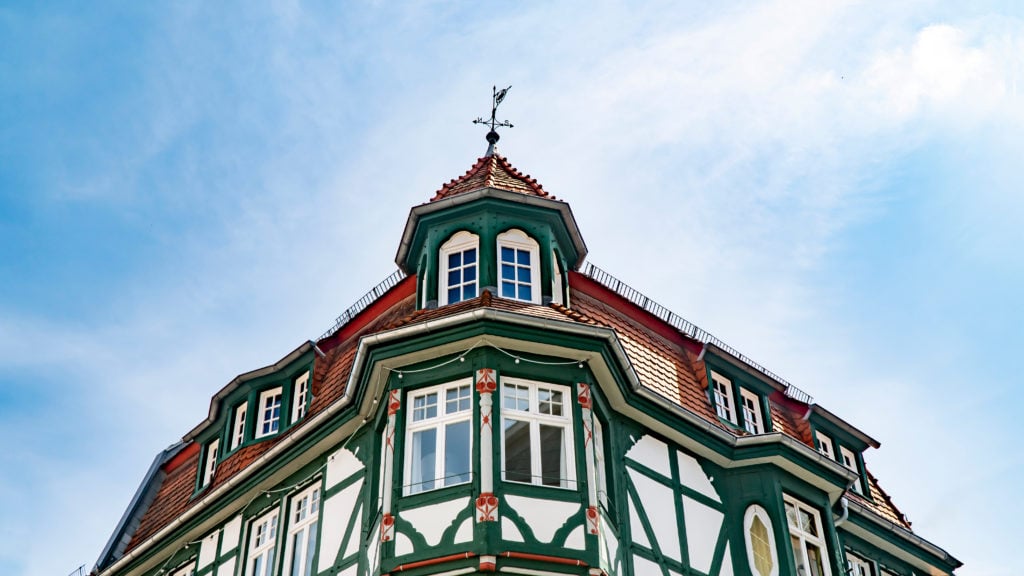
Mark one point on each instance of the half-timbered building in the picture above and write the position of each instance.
(500, 405)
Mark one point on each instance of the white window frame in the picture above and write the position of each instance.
(859, 566)
(238, 426)
(211, 462)
(459, 242)
(825, 446)
(518, 240)
(756, 511)
(262, 544)
(600, 463)
(556, 280)
(753, 420)
(300, 395)
(535, 419)
(439, 422)
(721, 392)
(263, 418)
(849, 460)
(804, 538)
(304, 521)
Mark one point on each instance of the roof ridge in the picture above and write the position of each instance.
(494, 171)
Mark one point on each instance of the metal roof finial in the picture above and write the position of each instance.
(492, 136)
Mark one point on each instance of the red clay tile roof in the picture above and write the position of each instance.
(665, 360)
(492, 172)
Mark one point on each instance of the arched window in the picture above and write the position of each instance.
(459, 264)
(518, 266)
(761, 555)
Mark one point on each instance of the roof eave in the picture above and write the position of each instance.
(844, 425)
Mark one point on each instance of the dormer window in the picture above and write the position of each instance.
(238, 426)
(459, 268)
(752, 419)
(518, 257)
(269, 413)
(722, 392)
(850, 462)
(825, 445)
(211, 462)
(300, 394)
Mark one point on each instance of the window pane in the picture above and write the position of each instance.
(525, 293)
(424, 449)
(453, 295)
(455, 260)
(456, 453)
(798, 555)
(469, 274)
(761, 547)
(523, 257)
(524, 275)
(297, 553)
(549, 401)
(517, 451)
(507, 254)
(791, 515)
(807, 523)
(508, 272)
(469, 292)
(310, 549)
(469, 256)
(552, 455)
(814, 559)
(454, 278)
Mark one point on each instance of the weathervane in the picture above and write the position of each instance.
(492, 136)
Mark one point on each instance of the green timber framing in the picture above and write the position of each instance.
(773, 463)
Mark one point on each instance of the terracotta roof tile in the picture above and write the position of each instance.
(492, 172)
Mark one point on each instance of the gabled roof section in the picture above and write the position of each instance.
(492, 172)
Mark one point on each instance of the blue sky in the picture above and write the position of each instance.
(188, 191)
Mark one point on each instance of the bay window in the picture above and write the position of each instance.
(536, 441)
(438, 436)
(807, 537)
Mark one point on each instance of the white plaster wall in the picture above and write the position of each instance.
(661, 513)
(465, 531)
(509, 531)
(703, 524)
(341, 465)
(636, 528)
(644, 567)
(337, 511)
(231, 532)
(575, 539)
(652, 453)
(208, 550)
(226, 568)
(692, 476)
(544, 517)
(726, 569)
(402, 544)
(431, 521)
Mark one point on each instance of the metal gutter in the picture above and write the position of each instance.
(901, 533)
(466, 197)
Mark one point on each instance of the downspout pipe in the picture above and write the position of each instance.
(844, 503)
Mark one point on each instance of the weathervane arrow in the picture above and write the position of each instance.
(497, 96)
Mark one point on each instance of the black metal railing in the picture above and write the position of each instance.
(684, 326)
(361, 304)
